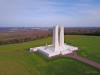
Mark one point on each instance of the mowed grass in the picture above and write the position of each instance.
(16, 60)
(89, 46)
(24, 46)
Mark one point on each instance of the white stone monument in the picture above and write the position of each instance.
(58, 46)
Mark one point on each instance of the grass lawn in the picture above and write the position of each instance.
(89, 46)
(16, 60)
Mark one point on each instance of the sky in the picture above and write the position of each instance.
(48, 13)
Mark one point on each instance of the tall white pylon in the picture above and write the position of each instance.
(55, 37)
(61, 35)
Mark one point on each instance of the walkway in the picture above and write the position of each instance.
(74, 55)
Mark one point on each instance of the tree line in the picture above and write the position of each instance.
(44, 34)
(82, 31)
(21, 39)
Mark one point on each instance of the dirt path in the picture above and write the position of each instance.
(74, 55)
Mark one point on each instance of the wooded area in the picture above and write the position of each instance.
(19, 36)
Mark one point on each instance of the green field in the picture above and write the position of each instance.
(16, 60)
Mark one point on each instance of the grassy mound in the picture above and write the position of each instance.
(16, 60)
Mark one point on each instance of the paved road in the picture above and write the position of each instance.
(74, 55)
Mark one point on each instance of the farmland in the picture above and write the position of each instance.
(16, 60)
(12, 35)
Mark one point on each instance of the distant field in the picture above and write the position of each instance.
(5, 36)
(9, 34)
(16, 60)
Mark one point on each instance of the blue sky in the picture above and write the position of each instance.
(45, 13)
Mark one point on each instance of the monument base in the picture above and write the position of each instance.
(50, 51)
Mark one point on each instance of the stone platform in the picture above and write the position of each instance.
(50, 51)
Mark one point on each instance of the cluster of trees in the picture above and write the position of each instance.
(40, 34)
(82, 31)
(20, 39)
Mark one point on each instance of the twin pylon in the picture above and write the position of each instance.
(58, 36)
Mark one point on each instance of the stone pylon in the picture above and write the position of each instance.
(61, 36)
(58, 37)
(55, 37)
